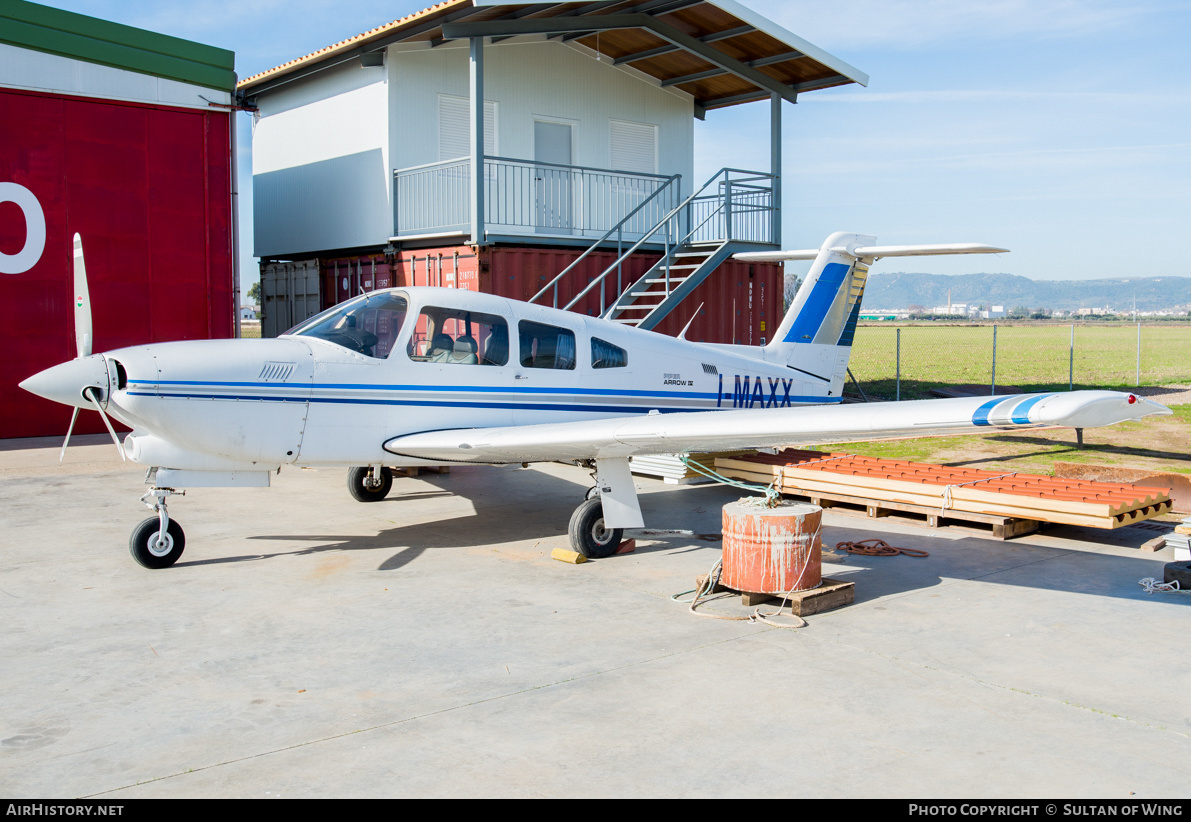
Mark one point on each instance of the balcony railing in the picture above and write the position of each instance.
(528, 197)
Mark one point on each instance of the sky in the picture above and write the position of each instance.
(1059, 129)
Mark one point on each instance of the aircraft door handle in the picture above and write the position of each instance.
(520, 377)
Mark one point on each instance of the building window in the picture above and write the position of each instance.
(606, 355)
(634, 147)
(454, 127)
(546, 346)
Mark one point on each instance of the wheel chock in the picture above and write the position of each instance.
(627, 547)
(563, 555)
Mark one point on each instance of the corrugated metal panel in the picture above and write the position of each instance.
(290, 293)
(739, 302)
(149, 191)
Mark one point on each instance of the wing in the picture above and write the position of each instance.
(620, 437)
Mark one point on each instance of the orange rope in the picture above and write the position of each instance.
(877, 548)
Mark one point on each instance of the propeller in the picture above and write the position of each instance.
(83, 339)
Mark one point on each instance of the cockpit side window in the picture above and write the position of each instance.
(456, 337)
(546, 346)
(606, 355)
(369, 326)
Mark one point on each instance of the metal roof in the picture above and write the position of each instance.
(720, 52)
(41, 28)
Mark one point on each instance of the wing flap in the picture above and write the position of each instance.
(761, 428)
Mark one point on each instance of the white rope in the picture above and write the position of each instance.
(756, 617)
(947, 491)
(1152, 585)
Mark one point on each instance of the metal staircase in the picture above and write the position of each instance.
(647, 301)
(733, 211)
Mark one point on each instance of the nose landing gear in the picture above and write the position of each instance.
(157, 542)
(370, 483)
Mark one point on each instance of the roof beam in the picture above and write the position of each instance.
(715, 72)
(607, 22)
(707, 38)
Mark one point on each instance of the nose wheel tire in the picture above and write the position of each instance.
(152, 552)
(588, 535)
(366, 488)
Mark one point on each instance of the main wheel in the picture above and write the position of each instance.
(588, 534)
(369, 489)
(145, 550)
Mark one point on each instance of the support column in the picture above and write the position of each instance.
(477, 139)
(775, 162)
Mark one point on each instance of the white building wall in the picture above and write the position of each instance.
(325, 146)
(546, 80)
(320, 163)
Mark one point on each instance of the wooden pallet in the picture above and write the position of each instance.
(927, 489)
(1001, 527)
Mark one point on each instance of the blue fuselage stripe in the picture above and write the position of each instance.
(611, 392)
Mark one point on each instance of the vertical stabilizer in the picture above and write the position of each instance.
(816, 334)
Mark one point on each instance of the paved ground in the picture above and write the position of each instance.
(308, 645)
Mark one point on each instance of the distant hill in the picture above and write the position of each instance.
(902, 290)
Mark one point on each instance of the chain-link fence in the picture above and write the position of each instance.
(906, 362)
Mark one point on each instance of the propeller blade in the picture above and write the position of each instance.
(66, 442)
(106, 421)
(82, 302)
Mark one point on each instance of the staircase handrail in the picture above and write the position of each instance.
(676, 210)
(554, 283)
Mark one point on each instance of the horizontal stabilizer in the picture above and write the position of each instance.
(872, 251)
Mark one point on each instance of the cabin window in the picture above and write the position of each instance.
(606, 355)
(368, 325)
(453, 336)
(546, 346)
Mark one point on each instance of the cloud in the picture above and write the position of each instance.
(1098, 98)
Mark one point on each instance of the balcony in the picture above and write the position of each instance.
(524, 198)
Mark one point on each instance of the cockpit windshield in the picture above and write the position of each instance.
(368, 326)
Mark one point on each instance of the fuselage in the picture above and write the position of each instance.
(412, 360)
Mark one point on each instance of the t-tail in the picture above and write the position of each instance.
(815, 337)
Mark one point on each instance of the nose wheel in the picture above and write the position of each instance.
(369, 483)
(157, 542)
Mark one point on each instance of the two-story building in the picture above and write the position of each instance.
(540, 151)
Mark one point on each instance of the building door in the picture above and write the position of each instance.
(552, 183)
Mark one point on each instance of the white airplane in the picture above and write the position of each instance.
(431, 376)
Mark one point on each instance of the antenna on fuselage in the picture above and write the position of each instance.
(685, 328)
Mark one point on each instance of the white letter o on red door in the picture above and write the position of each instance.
(28, 256)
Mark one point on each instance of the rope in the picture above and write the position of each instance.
(877, 548)
(947, 491)
(773, 496)
(1153, 586)
(712, 579)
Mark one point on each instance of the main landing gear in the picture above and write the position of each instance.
(157, 542)
(588, 535)
(370, 483)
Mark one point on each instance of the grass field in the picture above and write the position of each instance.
(1032, 357)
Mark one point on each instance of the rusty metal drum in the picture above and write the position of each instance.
(772, 550)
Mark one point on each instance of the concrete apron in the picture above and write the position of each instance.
(310, 645)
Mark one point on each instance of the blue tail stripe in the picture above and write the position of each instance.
(814, 310)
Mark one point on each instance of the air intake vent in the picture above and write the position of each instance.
(276, 371)
(710, 369)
